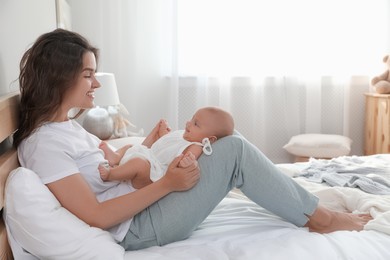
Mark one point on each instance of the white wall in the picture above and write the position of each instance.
(21, 22)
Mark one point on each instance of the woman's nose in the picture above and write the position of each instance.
(96, 83)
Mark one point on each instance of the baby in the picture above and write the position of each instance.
(143, 165)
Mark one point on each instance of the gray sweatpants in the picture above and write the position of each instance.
(234, 163)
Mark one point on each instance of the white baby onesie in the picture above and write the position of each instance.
(163, 151)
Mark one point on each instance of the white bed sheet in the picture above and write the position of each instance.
(239, 229)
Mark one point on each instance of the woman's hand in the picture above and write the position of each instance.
(156, 133)
(181, 179)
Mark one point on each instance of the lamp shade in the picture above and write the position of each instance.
(107, 94)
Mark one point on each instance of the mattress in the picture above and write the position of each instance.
(240, 229)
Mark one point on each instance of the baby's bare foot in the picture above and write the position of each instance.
(109, 155)
(104, 170)
(164, 128)
(104, 146)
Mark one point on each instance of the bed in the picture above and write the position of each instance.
(37, 227)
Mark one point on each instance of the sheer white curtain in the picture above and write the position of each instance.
(137, 42)
(280, 67)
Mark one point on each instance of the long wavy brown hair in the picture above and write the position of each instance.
(47, 70)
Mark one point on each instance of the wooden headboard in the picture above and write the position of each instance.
(9, 113)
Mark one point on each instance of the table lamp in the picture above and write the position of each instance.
(98, 120)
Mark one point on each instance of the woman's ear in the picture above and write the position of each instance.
(212, 138)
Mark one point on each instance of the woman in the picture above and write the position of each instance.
(58, 74)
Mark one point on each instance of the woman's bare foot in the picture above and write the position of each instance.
(326, 221)
(104, 170)
(111, 156)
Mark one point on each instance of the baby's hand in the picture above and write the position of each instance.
(187, 160)
(181, 179)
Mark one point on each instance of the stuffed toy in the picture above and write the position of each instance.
(381, 83)
(121, 124)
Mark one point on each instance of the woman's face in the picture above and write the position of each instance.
(81, 95)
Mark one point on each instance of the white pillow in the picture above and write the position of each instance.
(38, 224)
(319, 145)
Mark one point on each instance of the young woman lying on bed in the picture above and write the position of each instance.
(57, 74)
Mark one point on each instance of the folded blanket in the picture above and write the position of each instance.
(368, 173)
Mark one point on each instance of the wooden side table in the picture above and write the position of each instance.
(377, 126)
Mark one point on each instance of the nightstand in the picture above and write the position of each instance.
(377, 127)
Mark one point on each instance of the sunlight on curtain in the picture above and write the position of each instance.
(281, 67)
(281, 37)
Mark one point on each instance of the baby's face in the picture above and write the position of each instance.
(199, 127)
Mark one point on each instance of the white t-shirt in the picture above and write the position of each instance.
(58, 150)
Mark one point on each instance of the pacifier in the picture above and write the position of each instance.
(207, 150)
